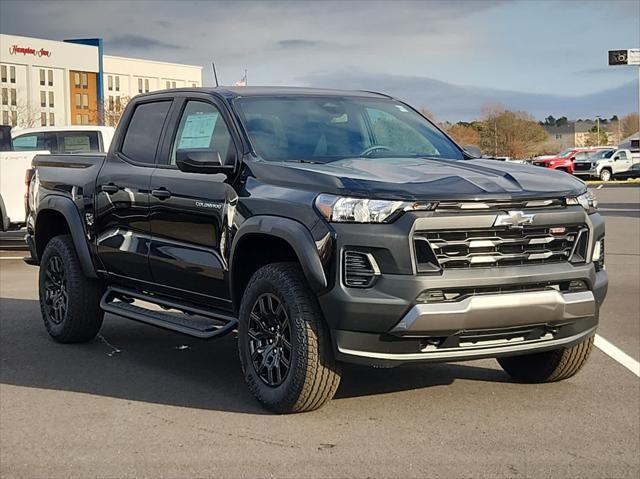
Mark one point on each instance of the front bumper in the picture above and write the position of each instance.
(387, 325)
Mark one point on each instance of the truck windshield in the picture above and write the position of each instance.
(324, 129)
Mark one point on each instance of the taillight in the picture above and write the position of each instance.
(28, 176)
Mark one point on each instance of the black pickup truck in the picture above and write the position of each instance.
(324, 227)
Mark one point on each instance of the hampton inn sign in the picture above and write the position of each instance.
(18, 50)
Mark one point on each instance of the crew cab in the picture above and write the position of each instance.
(25, 144)
(325, 227)
(607, 164)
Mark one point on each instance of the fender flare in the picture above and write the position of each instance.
(69, 210)
(296, 235)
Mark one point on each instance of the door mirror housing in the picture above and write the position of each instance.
(206, 161)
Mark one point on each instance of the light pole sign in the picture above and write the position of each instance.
(624, 57)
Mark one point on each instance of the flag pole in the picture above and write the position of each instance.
(246, 79)
(215, 75)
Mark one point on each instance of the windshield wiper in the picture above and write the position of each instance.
(314, 162)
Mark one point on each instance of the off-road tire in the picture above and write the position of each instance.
(83, 316)
(605, 175)
(313, 376)
(549, 366)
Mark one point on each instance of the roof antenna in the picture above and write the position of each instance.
(215, 75)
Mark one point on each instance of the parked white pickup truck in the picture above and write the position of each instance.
(29, 142)
(606, 164)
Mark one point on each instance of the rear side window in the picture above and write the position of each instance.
(143, 134)
(36, 141)
(78, 142)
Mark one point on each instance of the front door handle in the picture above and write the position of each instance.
(110, 188)
(161, 194)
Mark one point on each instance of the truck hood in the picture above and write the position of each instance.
(420, 178)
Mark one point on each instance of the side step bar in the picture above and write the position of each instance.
(188, 319)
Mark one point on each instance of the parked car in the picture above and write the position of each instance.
(325, 227)
(26, 143)
(564, 161)
(606, 164)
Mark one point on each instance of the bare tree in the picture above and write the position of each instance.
(508, 133)
(112, 110)
(464, 135)
(630, 125)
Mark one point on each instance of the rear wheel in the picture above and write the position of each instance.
(549, 366)
(284, 345)
(605, 175)
(69, 301)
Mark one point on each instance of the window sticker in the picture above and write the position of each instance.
(197, 131)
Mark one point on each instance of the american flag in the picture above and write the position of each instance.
(242, 81)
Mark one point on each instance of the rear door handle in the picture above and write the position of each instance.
(110, 188)
(161, 194)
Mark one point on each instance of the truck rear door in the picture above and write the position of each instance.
(122, 193)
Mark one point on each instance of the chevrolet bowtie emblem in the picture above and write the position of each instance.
(514, 219)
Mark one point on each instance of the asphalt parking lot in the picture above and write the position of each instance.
(142, 402)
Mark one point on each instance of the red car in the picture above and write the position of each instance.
(564, 161)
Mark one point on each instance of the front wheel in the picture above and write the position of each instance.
(549, 366)
(283, 342)
(605, 175)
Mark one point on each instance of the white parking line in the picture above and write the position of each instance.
(617, 354)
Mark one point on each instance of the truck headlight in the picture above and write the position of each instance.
(343, 209)
(587, 200)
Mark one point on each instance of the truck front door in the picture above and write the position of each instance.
(621, 162)
(191, 213)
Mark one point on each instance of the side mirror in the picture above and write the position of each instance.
(473, 150)
(206, 161)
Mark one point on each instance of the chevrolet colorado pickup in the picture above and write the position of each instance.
(324, 227)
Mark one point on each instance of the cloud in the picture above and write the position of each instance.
(131, 41)
(297, 43)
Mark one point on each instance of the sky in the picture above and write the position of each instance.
(557, 49)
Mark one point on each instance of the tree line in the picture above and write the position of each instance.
(516, 134)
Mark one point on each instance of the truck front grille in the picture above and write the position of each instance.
(581, 166)
(500, 246)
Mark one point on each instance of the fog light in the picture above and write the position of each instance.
(577, 286)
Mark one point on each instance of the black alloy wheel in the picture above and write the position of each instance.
(270, 339)
(56, 299)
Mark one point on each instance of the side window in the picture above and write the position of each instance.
(143, 133)
(622, 155)
(78, 142)
(203, 127)
(25, 143)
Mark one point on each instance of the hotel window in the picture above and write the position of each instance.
(194, 85)
(118, 104)
(110, 103)
(85, 119)
(50, 99)
(85, 101)
(5, 117)
(109, 82)
(42, 82)
(117, 83)
(12, 74)
(168, 84)
(78, 104)
(5, 96)
(146, 86)
(3, 75)
(52, 119)
(173, 84)
(85, 81)
(14, 97)
(139, 85)
(78, 119)
(76, 79)
(14, 117)
(43, 99)
(50, 77)
(43, 119)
